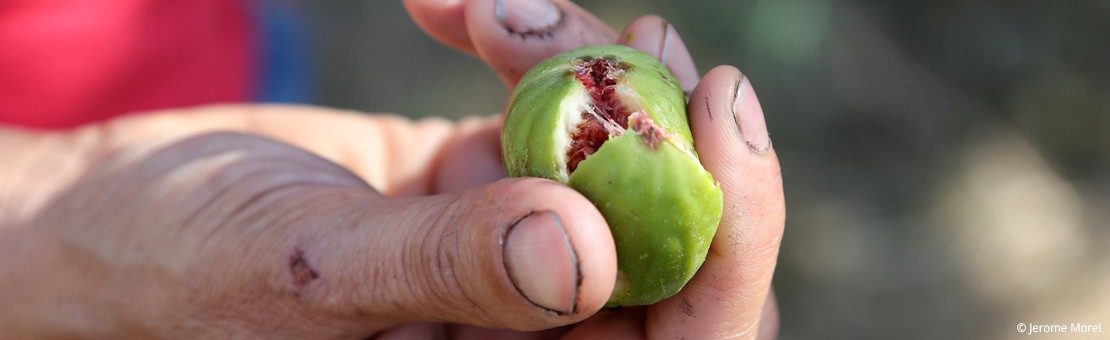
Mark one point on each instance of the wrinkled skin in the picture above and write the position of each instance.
(282, 222)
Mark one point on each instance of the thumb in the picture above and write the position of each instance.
(525, 254)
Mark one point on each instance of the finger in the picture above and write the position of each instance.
(422, 330)
(443, 20)
(524, 254)
(471, 156)
(392, 153)
(513, 35)
(727, 295)
(462, 332)
(624, 323)
(659, 38)
(769, 319)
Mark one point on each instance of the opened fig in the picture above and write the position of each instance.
(610, 122)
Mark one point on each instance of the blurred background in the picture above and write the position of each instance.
(946, 163)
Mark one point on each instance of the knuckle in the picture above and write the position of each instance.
(448, 274)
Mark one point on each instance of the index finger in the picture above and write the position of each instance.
(726, 298)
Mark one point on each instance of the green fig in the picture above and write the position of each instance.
(610, 122)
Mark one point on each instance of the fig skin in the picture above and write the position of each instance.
(661, 205)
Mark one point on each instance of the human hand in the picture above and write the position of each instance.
(730, 296)
(167, 229)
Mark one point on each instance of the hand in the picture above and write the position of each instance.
(730, 296)
(167, 228)
(156, 225)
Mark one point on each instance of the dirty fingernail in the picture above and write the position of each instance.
(542, 263)
(749, 117)
(528, 17)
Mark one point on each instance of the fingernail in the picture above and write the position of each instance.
(659, 38)
(528, 17)
(541, 262)
(749, 117)
(673, 53)
(663, 48)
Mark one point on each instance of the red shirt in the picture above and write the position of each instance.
(68, 62)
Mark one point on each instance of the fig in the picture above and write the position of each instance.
(610, 122)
